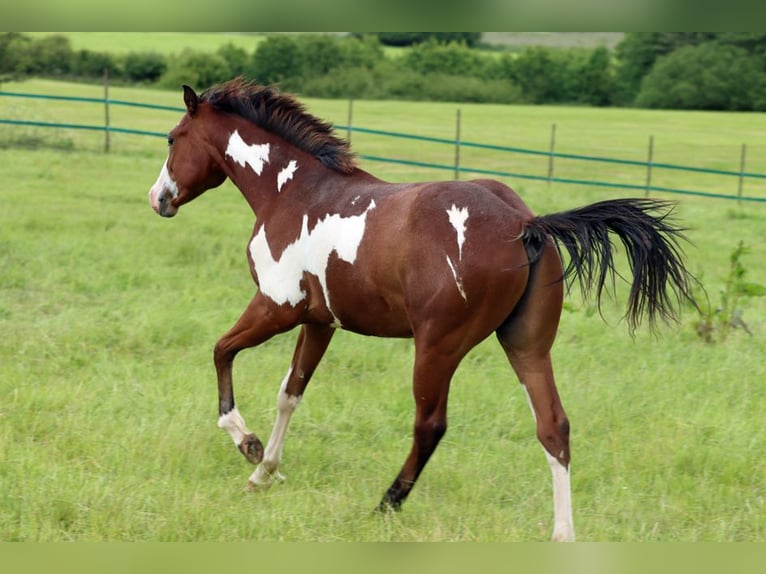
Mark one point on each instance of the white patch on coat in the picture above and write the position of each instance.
(458, 217)
(458, 281)
(286, 174)
(256, 154)
(280, 279)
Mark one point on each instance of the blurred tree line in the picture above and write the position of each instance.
(679, 70)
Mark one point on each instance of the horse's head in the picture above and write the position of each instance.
(190, 169)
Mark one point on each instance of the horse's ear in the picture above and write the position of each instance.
(191, 100)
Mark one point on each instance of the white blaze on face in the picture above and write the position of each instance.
(458, 217)
(255, 155)
(164, 184)
(280, 279)
(286, 174)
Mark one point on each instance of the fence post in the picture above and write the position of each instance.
(350, 118)
(552, 151)
(106, 110)
(741, 173)
(457, 145)
(649, 165)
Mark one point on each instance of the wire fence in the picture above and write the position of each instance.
(456, 167)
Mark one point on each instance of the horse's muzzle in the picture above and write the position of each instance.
(162, 202)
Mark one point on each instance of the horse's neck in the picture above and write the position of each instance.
(261, 165)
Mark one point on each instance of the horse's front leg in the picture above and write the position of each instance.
(312, 343)
(261, 320)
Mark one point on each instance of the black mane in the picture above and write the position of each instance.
(284, 116)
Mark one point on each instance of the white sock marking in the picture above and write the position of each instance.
(268, 469)
(280, 279)
(563, 524)
(234, 424)
(256, 154)
(286, 174)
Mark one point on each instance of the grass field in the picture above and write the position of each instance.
(108, 315)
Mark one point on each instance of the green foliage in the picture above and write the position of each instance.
(715, 323)
(237, 58)
(414, 38)
(638, 52)
(598, 79)
(196, 69)
(685, 70)
(90, 64)
(705, 77)
(144, 66)
(21, 55)
(277, 59)
(449, 59)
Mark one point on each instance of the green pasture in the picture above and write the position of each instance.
(108, 317)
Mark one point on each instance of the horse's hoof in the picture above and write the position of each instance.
(253, 487)
(252, 448)
(388, 506)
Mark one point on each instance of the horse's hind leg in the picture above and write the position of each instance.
(312, 343)
(433, 371)
(259, 322)
(527, 337)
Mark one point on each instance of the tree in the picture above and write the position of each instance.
(710, 76)
(237, 59)
(144, 66)
(638, 51)
(276, 59)
(532, 70)
(412, 38)
(597, 79)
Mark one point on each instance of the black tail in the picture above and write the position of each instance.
(651, 241)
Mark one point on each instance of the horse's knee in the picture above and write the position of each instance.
(219, 353)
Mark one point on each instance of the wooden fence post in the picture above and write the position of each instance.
(457, 145)
(106, 110)
(741, 173)
(552, 151)
(350, 119)
(649, 165)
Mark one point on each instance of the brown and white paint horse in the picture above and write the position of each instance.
(446, 263)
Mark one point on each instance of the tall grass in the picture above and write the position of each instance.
(108, 315)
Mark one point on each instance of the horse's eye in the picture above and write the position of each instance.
(170, 140)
